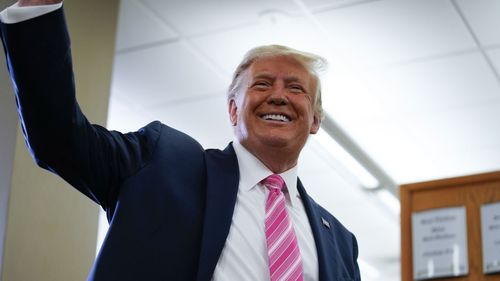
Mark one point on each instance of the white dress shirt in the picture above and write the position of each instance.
(244, 256)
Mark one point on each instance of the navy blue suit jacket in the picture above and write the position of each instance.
(169, 202)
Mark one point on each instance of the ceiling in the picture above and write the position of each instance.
(414, 84)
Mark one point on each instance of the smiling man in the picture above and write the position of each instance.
(273, 104)
(177, 211)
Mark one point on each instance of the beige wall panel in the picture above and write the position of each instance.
(51, 228)
(8, 128)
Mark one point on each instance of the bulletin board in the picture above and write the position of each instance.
(470, 192)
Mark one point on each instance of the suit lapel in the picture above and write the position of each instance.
(320, 233)
(222, 188)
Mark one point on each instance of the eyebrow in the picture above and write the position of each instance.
(269, 76)
(264, 75)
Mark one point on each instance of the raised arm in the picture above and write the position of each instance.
(58, 135)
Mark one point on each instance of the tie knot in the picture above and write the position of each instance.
(274, 182)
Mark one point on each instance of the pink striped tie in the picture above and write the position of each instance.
(285, 262)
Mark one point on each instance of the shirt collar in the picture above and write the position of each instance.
(253, 171)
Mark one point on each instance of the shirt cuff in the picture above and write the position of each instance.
(15, 13)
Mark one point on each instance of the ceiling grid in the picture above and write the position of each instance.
(476, 40)
(414, 84)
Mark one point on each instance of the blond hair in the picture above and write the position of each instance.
(313, 63)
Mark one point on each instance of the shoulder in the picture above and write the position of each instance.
(163, 137)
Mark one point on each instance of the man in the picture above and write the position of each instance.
(176, 211)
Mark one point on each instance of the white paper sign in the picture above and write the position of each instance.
(490, 232)
(439, 243)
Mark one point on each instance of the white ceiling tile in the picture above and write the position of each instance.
(425, 111)
(453, 82)
(461, 142)
(475, 127)
(163, 73)
(124, 116)
(445, 83)
(197, 17)
(483, 16)
(397, 152)
(296, 32)
(318, 5)
(205, 119)
(137, 26)
(418, 147)
(382, 32)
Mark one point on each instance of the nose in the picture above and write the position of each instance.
(278, 95)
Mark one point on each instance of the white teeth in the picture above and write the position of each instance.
(276, 117)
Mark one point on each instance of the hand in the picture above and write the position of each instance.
(22, 3)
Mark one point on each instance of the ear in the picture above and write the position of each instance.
(315, 125)
(233, 112)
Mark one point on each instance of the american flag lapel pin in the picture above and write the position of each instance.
(325, 222)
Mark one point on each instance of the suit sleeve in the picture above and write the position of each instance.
(60, 138)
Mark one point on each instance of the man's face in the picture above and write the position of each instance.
(274, 107)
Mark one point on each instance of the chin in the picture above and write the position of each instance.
(278, 141)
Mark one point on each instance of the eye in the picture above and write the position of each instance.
(261, 85)
(296, 88)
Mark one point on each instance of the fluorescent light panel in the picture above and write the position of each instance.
(339, 153)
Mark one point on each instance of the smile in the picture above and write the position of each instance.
(276, 117)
